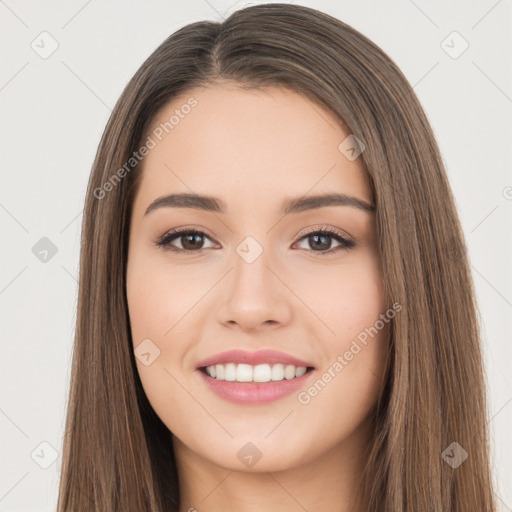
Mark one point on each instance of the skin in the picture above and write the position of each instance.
(254, 150)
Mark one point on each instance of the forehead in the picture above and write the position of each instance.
(235, 143)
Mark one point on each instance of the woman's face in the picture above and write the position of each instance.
(258, 277)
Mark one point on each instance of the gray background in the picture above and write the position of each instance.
(54, 110)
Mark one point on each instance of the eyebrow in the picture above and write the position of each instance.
(296, 205)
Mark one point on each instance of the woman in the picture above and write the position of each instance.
(275, 306)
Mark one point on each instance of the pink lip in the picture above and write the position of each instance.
(253, 392)
(253, 358)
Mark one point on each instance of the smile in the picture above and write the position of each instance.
(252, 392)
(233, 372)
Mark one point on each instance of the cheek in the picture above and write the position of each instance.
(158, 303)
(152, 306)
(159, 298)
(355, 348)
(347, 300)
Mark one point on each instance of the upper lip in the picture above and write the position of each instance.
(253, 358)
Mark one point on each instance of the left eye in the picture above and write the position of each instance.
(317, 239)
(191, 241)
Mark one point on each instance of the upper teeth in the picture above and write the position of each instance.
(258, 373)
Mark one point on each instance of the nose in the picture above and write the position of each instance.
(255, 296)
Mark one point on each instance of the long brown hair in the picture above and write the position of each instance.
(117, 453)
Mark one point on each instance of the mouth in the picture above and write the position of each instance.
(260, 373)
(244, 384)
(245, 377)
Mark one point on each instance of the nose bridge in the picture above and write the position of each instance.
(251, 273)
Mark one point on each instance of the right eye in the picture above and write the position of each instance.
(190, 240)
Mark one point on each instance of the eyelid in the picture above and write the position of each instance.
(314, 229)
(301, 234)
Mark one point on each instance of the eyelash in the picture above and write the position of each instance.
(165, 241)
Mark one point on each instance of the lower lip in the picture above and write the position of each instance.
(254, 392)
